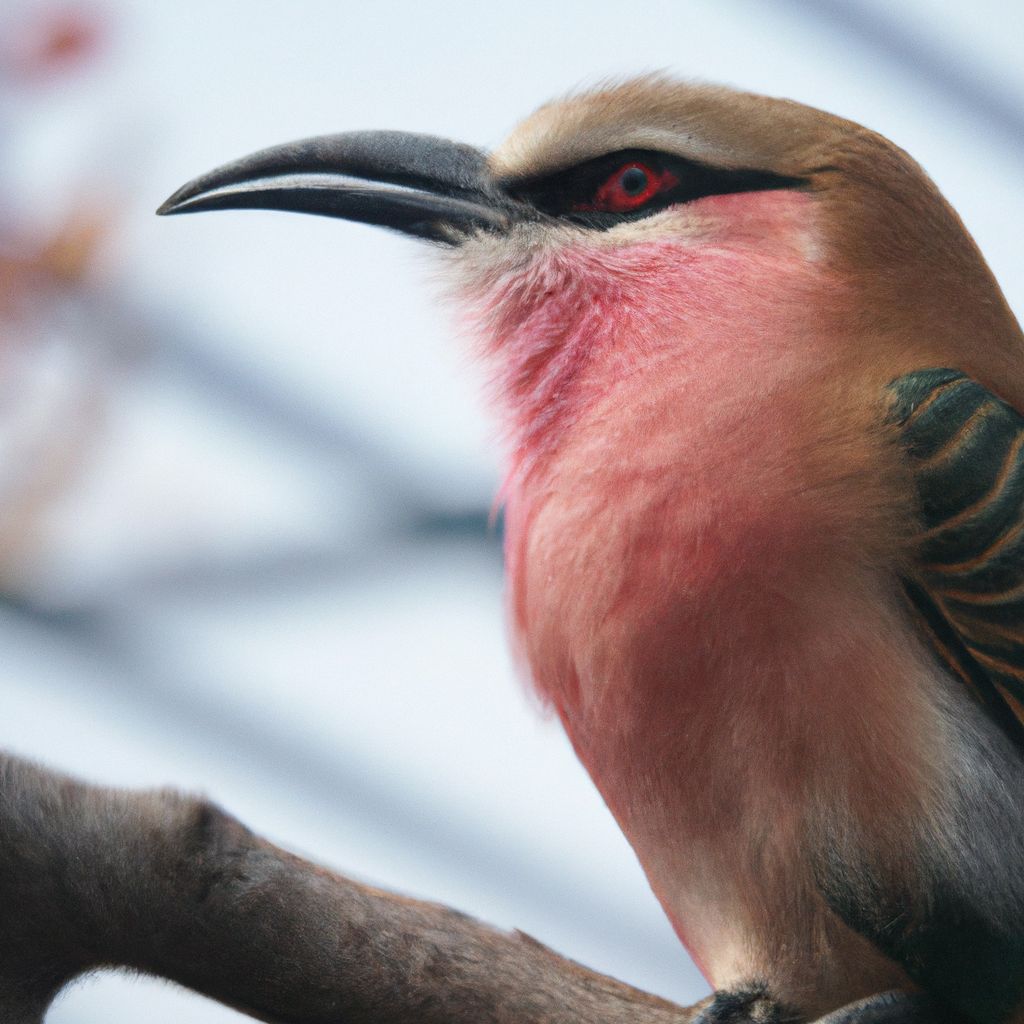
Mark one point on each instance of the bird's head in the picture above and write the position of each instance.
(653, 216)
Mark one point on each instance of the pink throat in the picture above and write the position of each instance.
(577, 319)
(588, 339)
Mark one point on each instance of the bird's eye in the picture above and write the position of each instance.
(631, 186)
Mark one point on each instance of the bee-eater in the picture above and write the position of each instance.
(764, 525)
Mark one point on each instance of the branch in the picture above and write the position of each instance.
(172, 886)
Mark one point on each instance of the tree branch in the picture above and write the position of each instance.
(173, 886)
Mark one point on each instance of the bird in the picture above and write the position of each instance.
(761, 402)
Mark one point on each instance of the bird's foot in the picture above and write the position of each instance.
(893, 1008)
(752, 1004)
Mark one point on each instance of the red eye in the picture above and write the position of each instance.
(631, 186)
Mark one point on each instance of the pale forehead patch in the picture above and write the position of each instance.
(711, 124)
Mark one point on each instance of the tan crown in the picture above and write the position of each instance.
(711, 124)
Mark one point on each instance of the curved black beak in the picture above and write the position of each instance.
(417, 184)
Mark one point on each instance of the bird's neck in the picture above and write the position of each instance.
(569, 323)
(697, 530)
(653, 394)
(697, 518)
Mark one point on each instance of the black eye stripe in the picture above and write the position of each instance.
(562, 193)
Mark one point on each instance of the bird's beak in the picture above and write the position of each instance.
(417, 184)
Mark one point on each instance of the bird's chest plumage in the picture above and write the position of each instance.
(700, 550)
(679, 569)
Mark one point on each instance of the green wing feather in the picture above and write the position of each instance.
(965, 447)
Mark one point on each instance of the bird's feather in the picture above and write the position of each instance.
(965, 447)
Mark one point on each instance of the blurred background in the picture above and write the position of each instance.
(244, 472)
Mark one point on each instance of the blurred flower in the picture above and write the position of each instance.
(51, 385)
(47, 42)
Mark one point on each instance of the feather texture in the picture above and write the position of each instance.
(966, 447)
